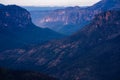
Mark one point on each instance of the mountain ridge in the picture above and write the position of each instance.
(17, 29)
(70, 20)
(91, 54)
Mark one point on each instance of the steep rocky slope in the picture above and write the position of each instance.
(93, 53)
(70, 20)
(17, 29)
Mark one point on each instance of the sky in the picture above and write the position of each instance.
(50, 2)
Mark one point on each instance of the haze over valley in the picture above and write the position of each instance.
(60, 42)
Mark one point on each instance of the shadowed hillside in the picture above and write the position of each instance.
(22, 75)
(93, 53)
(17, 29)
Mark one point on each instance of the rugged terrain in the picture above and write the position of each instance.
(71, 19)
(17, 29)
(93, 53)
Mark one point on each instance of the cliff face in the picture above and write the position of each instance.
(66, 21)
(17, 29)
(90, 54)
(71, 19)
(14, 17)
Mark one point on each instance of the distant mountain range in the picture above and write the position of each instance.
(92, 53)
(37, 8)
(17, 29)
(70, 20)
